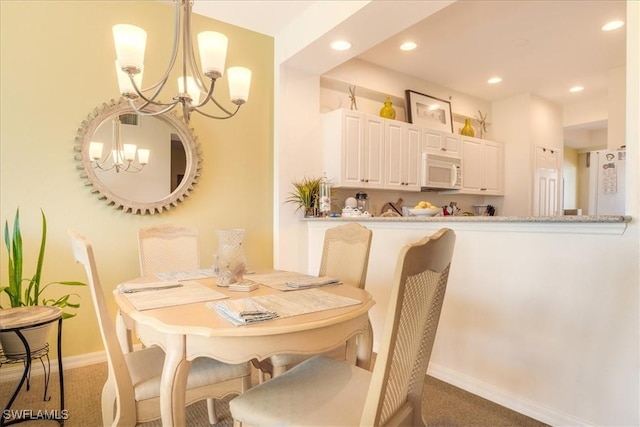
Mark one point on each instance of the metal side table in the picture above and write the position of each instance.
(18, 320)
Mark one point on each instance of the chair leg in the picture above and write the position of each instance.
(278, 370)
(211, 410)
(108, 403)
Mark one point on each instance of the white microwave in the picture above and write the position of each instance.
(441, 172)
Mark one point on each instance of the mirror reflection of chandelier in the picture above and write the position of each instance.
(123, 156)
(130, 43)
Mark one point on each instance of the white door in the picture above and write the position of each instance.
(546, 191)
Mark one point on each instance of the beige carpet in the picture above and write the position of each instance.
(444, 405)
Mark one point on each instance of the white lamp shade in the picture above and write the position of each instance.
(192, 89)
(143, 156)
(95, 150)
(124, 82)
(213, 51)
(129, 151)
(239, 83)
(130, 42)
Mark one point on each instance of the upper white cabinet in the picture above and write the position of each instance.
(402, 156)
(482, 166)
(437, 141)
(354, 149)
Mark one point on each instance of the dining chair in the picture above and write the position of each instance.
(345, 256)
(168, 247)
(162, 248)
(325, 391)
(131, 393)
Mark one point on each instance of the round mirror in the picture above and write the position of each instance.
(140, 164)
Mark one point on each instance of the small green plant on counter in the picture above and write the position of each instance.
(28, 291)
(305, 194)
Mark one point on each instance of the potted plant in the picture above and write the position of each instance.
(305, 195)
(29, 291)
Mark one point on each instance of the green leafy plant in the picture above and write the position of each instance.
(28, 291)
(306, 193)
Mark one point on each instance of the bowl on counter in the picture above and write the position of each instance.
(480, 210)
(424, 212)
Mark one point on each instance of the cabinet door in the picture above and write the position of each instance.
(493, 167)
(352, 146)
(394, 156)
(471, 165)
(372, 160)
(443, 142)
(546, 191)
(413, 157)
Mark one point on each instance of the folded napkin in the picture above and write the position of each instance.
(243, 311)
(131, 287)
(310, 282)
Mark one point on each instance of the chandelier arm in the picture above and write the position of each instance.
(208, 96)
(151, 99)
(141, 111)
(223, 108)
(190, 52)
(217, 117)
(172, 61)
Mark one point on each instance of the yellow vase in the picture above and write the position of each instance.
(388, 112)
(467, 130)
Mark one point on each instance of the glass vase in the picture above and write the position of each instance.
(388, 112)
(467, 130)
(230, 262)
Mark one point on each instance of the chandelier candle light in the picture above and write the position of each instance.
(122, 155)
(130, 42)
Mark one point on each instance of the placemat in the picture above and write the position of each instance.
(190, 292)
(283, 304)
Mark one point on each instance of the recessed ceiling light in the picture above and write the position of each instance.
(340, 45)
(576, 89)
(613, 25)
(408, 46)
(494, 80)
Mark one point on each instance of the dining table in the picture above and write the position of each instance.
(187, 331)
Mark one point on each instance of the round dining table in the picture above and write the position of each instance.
(188, 331)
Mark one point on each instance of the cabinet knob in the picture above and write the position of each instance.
(483, 189)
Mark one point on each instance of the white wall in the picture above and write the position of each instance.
(577, 297)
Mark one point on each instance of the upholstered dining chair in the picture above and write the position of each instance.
(168, 247)
(131, 393)
(345, 256)
(325, 391)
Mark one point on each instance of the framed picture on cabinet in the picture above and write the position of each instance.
(429, 111)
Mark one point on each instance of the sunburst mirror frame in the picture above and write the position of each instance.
(105, 113)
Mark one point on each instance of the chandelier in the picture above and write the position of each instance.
(122, 157)
(130, 44)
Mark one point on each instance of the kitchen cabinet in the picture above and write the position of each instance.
(402, 156)
(354, 149)
(482, 166)
(440, 142)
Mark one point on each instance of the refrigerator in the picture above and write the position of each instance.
(604, 192)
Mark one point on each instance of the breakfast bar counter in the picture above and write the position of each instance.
(533, 306)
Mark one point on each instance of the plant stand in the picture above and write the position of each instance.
(16, 320)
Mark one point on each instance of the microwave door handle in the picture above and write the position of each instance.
(454, 175)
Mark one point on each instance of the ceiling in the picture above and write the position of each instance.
(536, 46)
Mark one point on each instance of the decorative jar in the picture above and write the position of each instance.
(388, 112)
(467, 130)
(230, 262)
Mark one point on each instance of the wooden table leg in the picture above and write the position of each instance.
(173, 383)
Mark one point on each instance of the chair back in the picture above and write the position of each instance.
(168, 247)
(118, 370)
(345, 253)
(417, 294)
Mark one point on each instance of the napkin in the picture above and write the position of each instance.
(243, 311)
(310, 282)
(131, 287)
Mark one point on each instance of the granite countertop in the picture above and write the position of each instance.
(490, 219)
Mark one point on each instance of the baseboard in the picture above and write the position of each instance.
(14, 372)
(504, 398)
